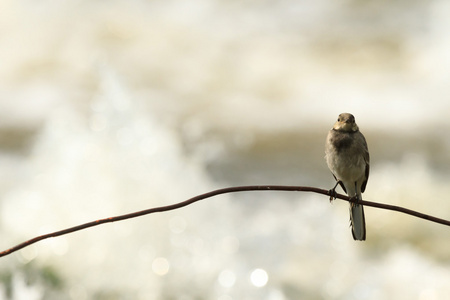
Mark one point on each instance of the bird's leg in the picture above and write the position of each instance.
(332, 192)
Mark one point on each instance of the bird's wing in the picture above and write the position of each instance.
(363, 186)
(367, 160)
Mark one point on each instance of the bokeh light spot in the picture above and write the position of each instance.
(259, 277)
(160, 266)
(227, 278)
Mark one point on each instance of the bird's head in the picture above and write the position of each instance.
(346, 122)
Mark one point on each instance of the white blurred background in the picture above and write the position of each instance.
(108, 107)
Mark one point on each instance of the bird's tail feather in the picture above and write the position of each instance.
(358, 222)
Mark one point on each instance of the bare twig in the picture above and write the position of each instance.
(219, 192)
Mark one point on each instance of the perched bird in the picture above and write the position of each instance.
(347, 157)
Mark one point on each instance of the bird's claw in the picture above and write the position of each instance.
(355, 199)
(332, 192)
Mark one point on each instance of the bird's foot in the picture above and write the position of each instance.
(355, 199)
(332, 192)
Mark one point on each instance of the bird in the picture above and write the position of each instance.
(348, 159)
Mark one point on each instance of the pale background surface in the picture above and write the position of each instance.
(108, 107)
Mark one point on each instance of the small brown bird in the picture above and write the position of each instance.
(348, 159)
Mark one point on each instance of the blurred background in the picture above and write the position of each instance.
(108, 107)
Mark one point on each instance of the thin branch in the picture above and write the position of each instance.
(219, 192)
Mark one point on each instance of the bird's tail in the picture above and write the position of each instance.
(358, 222)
